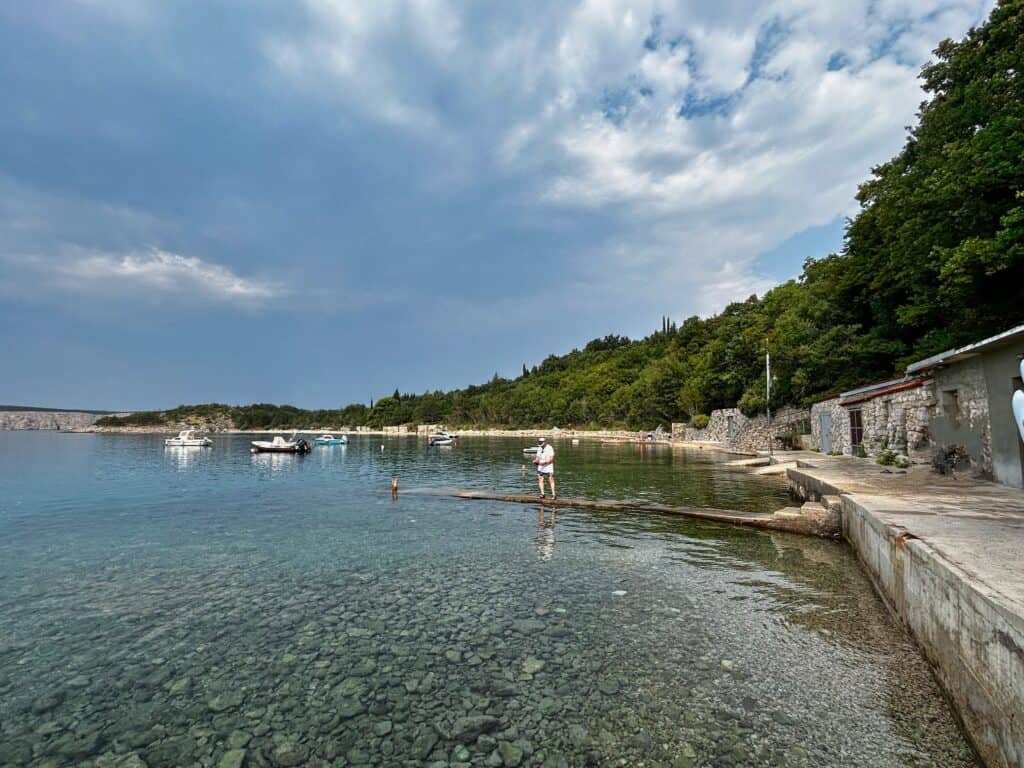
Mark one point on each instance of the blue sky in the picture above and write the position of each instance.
(317, 202)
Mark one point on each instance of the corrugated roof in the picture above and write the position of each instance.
(962, 353)
(870, 391)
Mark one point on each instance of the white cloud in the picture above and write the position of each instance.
(708, 132)
(167, 272)
(149, 275)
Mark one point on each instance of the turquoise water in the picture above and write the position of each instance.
(177, 607)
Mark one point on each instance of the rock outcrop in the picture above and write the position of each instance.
(64, 420)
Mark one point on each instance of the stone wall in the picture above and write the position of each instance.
(898, 421)
(728, 426)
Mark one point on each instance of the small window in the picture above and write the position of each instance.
(951, 406)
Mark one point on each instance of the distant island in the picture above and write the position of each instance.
(933, 259)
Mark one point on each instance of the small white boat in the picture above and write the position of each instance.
(531, 449)
(328, 439)
(280, 445)
(441, 438)
(186, 439)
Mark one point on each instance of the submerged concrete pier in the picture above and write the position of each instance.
(947, 555)
(813, 519)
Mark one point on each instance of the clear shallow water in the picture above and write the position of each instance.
(186, 607)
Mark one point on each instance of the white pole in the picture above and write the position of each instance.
(768, 397)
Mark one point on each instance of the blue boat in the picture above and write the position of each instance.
(331, 440)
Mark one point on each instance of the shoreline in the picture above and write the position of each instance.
(611, 435)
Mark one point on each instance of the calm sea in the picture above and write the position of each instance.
(208, 607)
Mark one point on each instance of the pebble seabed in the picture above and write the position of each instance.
(250, 661)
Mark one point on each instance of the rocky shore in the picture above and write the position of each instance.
(68, 421)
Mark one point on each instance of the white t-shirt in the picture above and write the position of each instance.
(547, 453)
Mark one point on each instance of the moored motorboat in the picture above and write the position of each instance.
(280, 445)
(440, 438)
(186, 439)
(328, 439)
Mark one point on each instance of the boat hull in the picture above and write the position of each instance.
(259, 446)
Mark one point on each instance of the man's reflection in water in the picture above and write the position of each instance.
(545, 538)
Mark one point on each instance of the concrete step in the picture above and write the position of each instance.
(776, 469)
(789, 512)
(759, 461)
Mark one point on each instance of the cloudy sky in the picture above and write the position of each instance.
(317, 202)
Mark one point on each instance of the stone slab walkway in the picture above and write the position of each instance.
(976, 525)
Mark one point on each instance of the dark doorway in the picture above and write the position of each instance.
(856, 430)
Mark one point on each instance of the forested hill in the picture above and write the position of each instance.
(934, 259)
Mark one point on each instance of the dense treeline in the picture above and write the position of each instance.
(255, 416)
(934, 259)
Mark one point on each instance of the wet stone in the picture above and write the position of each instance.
(527, 626)
(289, 754)
(78, 745)
(47, 702)
(222, 702)
(358, 756)
(468, 728)
(532, 665)
(423, 745)
(238, 739)
(348, 709)
(171, 752)
(233, 758)
(511, 753)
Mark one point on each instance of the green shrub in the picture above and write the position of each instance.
(887, 458)
(700, 421)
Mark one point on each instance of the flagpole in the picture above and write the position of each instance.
(768, 397)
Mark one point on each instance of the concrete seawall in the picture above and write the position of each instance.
(948, 558)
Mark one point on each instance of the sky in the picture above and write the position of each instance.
(317, 202)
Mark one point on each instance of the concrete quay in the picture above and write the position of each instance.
(947, 555)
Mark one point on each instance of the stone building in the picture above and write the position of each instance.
(887, 415)
(974, 387)
(959, 399)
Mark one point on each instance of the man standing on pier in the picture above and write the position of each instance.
(545, 462)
